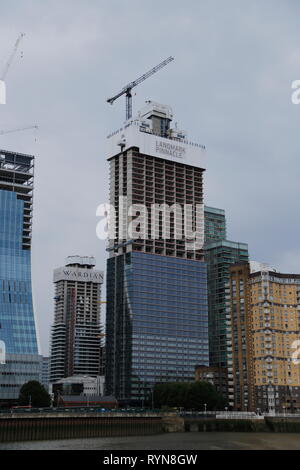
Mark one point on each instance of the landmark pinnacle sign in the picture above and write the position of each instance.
(170, 149)
(133, 135)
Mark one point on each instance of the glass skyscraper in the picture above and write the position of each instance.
(219, 257)
(220, 254)
(156, 321)
(160, 306)
(17, 323)
(215, 224)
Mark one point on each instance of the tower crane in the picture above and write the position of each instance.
(18, 129)
(11, 58)
(128, 88)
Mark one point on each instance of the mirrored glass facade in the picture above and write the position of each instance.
(17, 322)
(157, 322)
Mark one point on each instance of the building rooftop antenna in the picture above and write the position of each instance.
(128, 88)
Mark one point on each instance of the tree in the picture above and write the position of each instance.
(193, 395)
(34, 394)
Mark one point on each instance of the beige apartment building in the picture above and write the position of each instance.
(263, 327)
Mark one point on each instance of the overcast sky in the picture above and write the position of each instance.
(229, 87)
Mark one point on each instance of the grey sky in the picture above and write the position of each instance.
(229, 86)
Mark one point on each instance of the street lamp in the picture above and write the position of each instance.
(143, 394)
(52, 399)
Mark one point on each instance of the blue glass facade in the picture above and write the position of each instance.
(157, 322)
(17, 328)
(17, 324)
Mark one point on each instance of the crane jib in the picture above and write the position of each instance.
(127, 89)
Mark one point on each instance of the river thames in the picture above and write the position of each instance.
(178, 441)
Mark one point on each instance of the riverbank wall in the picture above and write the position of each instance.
(19, 427)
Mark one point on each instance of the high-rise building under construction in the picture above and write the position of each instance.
(76, 340)
(156, 322)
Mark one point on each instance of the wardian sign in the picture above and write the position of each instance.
(78, 274)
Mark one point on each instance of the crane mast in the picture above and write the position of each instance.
(11, 58)
(128, 88)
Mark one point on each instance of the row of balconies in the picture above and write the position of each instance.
(146, 181)
(160, 189)
(151, 174)
(162, 179)
(159, 174)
